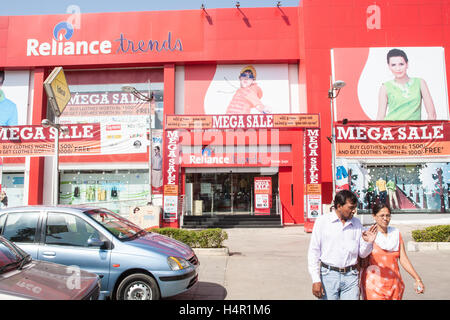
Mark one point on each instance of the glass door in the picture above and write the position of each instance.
(225, 192)
(242, 191)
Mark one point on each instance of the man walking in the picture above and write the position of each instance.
(336, 242)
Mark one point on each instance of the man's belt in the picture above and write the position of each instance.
(341, 270)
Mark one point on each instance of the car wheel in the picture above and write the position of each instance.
(138, 287)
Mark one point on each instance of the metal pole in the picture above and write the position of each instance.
(333, 151)
(150, 148)
(56, 164)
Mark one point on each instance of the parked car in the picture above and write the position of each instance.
(22, 278)
(131, 263)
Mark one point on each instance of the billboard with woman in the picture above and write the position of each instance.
(392, 84)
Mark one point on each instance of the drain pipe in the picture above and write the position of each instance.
(280, 208)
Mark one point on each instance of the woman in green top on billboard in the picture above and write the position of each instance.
(401, 98)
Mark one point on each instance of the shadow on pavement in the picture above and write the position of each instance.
(202, 291)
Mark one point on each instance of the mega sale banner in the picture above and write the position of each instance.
(406, 140)
(313, 180)
(243, 121)
(77, 139)
(171, 176)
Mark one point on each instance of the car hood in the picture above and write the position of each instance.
(47, 281)
(162, 244)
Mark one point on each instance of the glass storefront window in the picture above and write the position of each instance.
(13, 186)
(117, 190)
(414, 187)
(225, 192)
(97, 96)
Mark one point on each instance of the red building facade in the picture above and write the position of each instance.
(192, 61)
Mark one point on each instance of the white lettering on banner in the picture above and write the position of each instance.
(262, 184)
(313, 146)
(36, 133)
(57, 48)
(389, 133)
(172, 147)
(208, 160)
(242, 121)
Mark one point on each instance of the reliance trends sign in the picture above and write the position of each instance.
(61, 45)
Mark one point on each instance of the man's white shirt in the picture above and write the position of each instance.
(335, 244)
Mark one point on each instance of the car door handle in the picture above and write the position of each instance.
(49, 253)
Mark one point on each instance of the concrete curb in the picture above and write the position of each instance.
(212, 251)
(427, 246)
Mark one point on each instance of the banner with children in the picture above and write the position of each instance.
(241, 89)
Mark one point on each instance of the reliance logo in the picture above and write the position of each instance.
(61, 45)
(58, 47)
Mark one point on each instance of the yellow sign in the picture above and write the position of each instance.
(57, 90)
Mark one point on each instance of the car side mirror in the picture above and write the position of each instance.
(95, 242)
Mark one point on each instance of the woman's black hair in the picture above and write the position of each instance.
(378, 206)
(342, 196)
(396, 53)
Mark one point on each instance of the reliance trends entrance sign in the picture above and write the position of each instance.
(61, 45)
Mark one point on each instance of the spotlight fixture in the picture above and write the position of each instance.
(335, 88)
(344, 121)
(338, 84)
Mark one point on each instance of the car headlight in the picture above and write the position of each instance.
(176, 263)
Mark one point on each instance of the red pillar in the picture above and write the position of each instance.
(169, 109)
(36, 170)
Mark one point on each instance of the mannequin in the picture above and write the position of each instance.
(391, 188)
(381, 186)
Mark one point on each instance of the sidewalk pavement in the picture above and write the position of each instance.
(271, 264)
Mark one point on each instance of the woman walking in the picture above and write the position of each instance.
(381, 279)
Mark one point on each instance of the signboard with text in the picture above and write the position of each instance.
(171, 176)
(313, 190)
(80, 139)
(263, 195)
(406, 140)
(242, 121)
(57, 90)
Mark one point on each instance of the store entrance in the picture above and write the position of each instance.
(225, 192)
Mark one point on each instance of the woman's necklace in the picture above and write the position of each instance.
(404, 87)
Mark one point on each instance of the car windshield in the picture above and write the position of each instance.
(121, 228)
(10, 255)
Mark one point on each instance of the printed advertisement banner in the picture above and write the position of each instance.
(395, 84)
(263, 195)
(244, 121)
(238, 89)
(80, 139)
(171, 177)
(157, 162)
(313, 178)
(407, 140)
(250, 159)
(14, 87)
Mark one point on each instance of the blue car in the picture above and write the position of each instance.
(133, 264)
